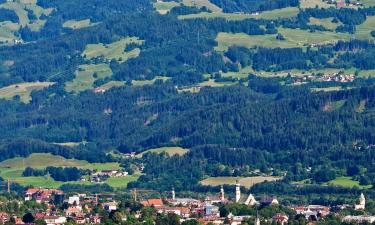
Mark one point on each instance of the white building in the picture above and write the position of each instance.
(73, 200)
(362, 203)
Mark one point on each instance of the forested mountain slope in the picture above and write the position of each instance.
(270, 84)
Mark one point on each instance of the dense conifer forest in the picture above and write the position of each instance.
(265, 123)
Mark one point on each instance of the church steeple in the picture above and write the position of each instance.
(173, 194)
(238, 191)
(222, 196)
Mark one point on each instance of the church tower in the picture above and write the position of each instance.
(238, 191)
(173, 194)
(362, 203)
(222, 196)
(257, 220)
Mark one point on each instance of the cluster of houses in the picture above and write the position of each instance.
(335, 77)
(344, 3)
(79, 208)
(101, 176)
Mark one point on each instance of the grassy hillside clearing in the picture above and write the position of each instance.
(9, 30)
(327, 23)
(314, 3)
(12, 169)
(78, 24)
(347, 182)
(267, 15)
(168, 150)
(164, 7)
(23, 90)
(19, 8)
(149, 82)
(293, 38)
(201, 3)
(115, 50)
(244, 181)
(112, 84)
(86, 76)
(71, 144)
(364, 30)
(208, 83)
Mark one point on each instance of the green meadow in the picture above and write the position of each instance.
(86, 76)
(115, 50)
(244, 181)
(12, 169)
(164, 7)
(23, 90)
(169, 150)
(149, 82)
(347, 182)
(202, 3)
(293, 38)
(267, 15)
(8, 30)
(78, 24)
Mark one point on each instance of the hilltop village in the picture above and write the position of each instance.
(54, 207)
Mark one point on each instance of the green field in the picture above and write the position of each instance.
(201, 3)
(267, 15)
(364, 30)
(244, 181)
(207, 83)
(85, 79)
(121, 182)
(347, 182)
(78, 24)
(168, 150)
(293, 38)
(12, 169)
(149, 82)
(8, 30)
(115, 50)
(314, 3)
(164, 7)
(327, 23)
(242, 73)
(112, 84)
(23, 90)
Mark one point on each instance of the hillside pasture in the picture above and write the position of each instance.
(149, 82)
(164, 7)
(347, 182)
(86, 76)
(115, 50)
(364, 30)
(12, 169)
(244, 181)
(23, 90)
(284, 13)
(19, 8)
(326, 23)
(313, 3)
(293, 38)
(112, 84)
(78, 24)
(169, 150)
(202, 3)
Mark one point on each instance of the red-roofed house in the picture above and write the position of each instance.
(156, 202)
